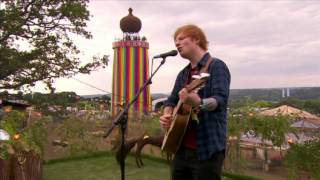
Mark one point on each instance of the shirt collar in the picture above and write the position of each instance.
(203, 60)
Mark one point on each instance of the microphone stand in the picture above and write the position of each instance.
(121, 119)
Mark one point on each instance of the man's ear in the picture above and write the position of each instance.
(197, 40)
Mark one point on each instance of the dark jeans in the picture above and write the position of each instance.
(186, 166)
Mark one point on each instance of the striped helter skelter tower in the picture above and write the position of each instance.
(130, 67)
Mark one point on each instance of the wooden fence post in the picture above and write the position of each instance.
(22, 166)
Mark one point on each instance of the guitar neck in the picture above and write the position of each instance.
(178, 106)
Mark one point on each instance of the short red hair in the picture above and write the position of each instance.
(194, 32)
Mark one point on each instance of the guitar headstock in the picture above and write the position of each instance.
(198, 81)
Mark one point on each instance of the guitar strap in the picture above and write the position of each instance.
(204, 69)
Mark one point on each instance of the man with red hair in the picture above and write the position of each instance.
(202, 151)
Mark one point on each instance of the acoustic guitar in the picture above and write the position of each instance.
(180, 117)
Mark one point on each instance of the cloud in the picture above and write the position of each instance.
(264, 43)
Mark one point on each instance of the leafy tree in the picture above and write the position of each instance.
(106, 98)
(237, 125)
(262, 104)
(37, 99)
(4, 94)
(304, 157)
(273, 128)
(297, 103)
(36, 44)
(313, 106)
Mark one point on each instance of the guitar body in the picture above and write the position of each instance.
(174, 136)
(181, 114)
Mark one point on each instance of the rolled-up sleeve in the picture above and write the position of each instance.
(220, 83)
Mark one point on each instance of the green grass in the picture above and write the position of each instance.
(104, 167)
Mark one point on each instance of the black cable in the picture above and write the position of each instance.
(90, 85)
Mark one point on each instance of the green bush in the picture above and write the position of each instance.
(304, 157)
(23, 136)
(77, 132)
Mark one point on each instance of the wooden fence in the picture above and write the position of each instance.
(21, 166)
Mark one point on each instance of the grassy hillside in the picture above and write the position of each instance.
(102, 165)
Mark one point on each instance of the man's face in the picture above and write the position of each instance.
(185, 45)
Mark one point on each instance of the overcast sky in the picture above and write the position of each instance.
(265, 44)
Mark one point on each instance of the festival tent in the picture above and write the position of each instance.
(305, 124)
(304, 118)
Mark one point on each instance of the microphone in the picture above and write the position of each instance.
(164, 55)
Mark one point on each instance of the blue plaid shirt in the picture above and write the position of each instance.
(212, 127)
